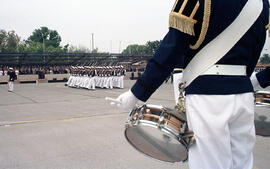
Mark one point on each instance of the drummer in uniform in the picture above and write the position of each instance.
(219, 108)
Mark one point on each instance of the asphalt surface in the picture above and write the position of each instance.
(51, 126)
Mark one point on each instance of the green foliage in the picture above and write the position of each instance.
(9, 41)
(52, 49)
(152, 46)
(149, 48)
(33, 47)
(45, 36)
(54, 39)
(38, 47)
(135, 49)
(265, 59)
(65, 48)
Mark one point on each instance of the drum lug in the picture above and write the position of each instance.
(183, 128)
(140, 115)
(192, 141)
(190, 136)
(161, 119)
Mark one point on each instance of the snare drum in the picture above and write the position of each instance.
(159, 132)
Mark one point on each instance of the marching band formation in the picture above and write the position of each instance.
(90, 77)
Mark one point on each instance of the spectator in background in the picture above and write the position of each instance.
(12, 77)
(1, 71)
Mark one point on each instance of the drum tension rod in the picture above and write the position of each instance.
(161, 118)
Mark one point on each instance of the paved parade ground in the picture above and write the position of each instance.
(52, 126)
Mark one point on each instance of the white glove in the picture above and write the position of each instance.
(126, 101)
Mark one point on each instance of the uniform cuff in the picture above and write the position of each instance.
(140, 91)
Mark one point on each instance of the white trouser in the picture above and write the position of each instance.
(121, 82)
(223, 127)
(10, 86)
(177, 78)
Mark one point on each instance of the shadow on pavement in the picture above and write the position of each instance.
(262, 126)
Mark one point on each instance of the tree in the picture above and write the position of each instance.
(38, 47)
(135, 49)
(45, 36)
(265, 59)
(3, 37)
(54, 39)
(9, 41)
(32, 47)
(152, 46)
(13, 41)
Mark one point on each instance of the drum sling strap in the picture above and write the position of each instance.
(219, 46)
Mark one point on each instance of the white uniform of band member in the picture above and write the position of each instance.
(101, 77)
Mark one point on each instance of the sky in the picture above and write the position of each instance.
(115, 24)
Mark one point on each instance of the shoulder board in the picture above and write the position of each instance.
(182, 15)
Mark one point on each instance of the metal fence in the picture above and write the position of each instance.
(89, 59)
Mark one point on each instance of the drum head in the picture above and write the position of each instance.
(156, 143)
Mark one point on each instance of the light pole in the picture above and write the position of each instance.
(43, 46)
(92, 42)
(119, 46)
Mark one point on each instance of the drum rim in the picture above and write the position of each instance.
(179, 140)
(162, 127)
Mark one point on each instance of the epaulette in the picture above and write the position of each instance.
(182, 18)
(182, 15)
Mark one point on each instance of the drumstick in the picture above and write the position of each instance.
(112, 99)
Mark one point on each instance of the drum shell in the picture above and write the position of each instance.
(158, 132)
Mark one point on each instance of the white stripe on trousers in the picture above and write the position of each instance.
(223, 127)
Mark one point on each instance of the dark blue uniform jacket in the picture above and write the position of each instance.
(175, 50)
